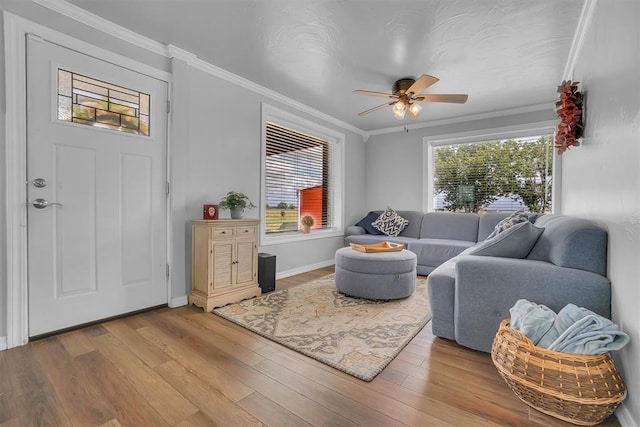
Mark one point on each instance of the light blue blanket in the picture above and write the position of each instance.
(573, 330)
(589, 333)
(533, 320)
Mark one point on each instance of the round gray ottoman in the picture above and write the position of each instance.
(381, 275)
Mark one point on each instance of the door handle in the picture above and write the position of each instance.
(42, 203)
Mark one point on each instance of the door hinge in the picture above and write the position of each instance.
(168, 271)
(168, 106)
(168, 189)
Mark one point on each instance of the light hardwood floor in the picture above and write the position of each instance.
(185, 367)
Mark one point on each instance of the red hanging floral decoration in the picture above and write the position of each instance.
(569, 109)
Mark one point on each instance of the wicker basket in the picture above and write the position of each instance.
(580, 389)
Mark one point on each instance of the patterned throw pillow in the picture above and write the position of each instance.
(390, 223)
(513, 219)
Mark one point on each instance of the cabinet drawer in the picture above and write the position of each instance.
(245, 231)
(221, 232)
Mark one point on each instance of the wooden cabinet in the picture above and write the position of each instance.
(224, 262)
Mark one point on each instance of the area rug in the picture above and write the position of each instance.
(355, 335)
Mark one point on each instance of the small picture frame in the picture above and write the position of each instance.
(209, 211)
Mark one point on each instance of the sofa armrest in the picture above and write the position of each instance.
(354, 230)
(487, 287)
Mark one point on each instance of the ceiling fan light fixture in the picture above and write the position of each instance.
(399, 107)
(399, 114)
(407, 93)
(414, 110)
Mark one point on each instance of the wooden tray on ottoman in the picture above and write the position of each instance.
(378, 247)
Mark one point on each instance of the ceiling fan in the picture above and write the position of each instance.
(407, 93)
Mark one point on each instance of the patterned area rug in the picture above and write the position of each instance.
(355, 335)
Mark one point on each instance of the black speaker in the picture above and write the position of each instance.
(266, 272)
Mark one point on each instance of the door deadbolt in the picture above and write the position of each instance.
(39, 182)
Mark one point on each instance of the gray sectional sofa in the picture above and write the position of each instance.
(471, 294)
(435, 237)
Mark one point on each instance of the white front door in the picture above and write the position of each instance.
(97, 206)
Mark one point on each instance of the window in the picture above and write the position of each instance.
(302, 176)
(504, 175)
(92, 102)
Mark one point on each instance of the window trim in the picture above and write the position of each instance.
(336, 167)
(484, 135)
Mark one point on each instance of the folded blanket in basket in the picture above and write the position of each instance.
(533, 320)
(566, 317)
(589, 333)
(574, 329)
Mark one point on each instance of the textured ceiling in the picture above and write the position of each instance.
(503, 53)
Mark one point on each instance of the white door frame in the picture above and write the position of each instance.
(15, 31)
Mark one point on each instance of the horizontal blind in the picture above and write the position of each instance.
(504, 175)
(296, 170)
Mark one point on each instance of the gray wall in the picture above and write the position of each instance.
(215, 147)
(220, 151)
(394, 161)
(601, 178)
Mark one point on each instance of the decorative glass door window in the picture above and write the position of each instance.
(92, 102)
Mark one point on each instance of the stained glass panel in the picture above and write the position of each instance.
(92, 102)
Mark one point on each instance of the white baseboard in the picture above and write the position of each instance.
(304, 269)
(3, 343)
(625, 417)
(178, 301)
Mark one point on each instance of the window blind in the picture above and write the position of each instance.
(296, 179)
(504, 175)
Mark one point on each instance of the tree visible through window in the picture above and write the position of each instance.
(494, 175)
(296, 179)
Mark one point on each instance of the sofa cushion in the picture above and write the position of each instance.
(390, 223)
(450, 225)
(441, 285)
(514, 242)
(367, 222)
(487, 223)
(572, 242)
(434, 252)
(513, 219)
(415, 221)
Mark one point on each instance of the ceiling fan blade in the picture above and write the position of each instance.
(371, 93)
(455, 99)
(379, 107)
(422, 83)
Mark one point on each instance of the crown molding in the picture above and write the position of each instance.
(181, 54)
(584, 22)
(206, 67)
(468, 118)
(94, 21)
(170, 51)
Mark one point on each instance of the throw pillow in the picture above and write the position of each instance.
(513, 219)
(367, 221)
(390, 223)
(514, 242)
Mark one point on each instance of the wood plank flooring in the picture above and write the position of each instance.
(184, 367)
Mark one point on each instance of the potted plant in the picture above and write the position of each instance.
(236, 203)
(306, 222)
